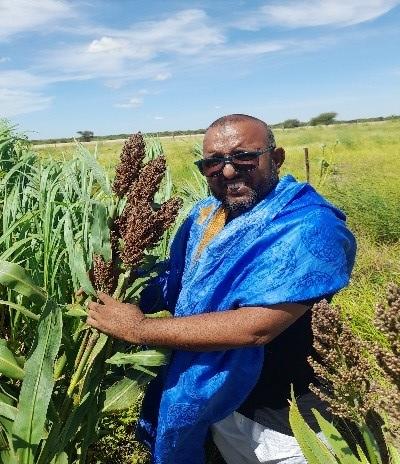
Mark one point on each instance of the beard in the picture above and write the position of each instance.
(236, 206)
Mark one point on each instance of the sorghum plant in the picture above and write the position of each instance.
(63, 229)
(345, 374)
(361, 383)
(387, 320)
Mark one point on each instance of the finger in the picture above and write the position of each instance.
(92, 322)
(106, 299)
(80, 292)
(94, 306)
(93, 314)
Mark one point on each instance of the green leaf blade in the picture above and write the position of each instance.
(8, 364)
(100, 232)
(124, 394)
(14, 276)
(338, 444)
(38, 385)
(81, 272)
(371, 444)
(151, 358)
(312, 447)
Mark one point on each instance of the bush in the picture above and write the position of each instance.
(86, 135)
(323, 118)
(291, 123)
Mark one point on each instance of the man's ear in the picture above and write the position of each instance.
(278, 156)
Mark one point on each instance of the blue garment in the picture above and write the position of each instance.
(291, 246)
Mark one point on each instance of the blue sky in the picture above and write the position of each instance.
(152, 65)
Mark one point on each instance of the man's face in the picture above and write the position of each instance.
(239, 191)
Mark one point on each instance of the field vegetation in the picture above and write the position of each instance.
(54, 208)
(66, 226)
(355, 166)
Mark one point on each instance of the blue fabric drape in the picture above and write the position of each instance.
(292, 246)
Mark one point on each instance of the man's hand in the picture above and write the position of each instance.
(223, 330)
(119, 320)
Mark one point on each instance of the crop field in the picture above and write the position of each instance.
(355, 166)
(69, 394)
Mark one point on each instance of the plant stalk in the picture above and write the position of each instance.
(82, 363)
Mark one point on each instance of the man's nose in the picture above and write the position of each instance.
(228, 171)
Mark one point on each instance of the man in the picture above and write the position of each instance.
(245, 268)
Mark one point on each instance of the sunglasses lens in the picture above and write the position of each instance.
(241, 162)
(246, 158)
(212, 167)
(243, 167)
(246, 161)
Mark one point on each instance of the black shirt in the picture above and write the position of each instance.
(285, 363)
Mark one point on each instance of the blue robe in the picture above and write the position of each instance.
(291, 246)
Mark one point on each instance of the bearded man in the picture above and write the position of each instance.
(245, 268)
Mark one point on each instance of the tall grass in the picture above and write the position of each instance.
(355, 166)
(58, 377)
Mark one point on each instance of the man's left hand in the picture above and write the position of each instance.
(119, 320)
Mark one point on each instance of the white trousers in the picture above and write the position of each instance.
(243, 441)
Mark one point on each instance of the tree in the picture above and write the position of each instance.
(86, 135)
(323, 118)
(291, 123)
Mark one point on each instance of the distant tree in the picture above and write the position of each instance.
(290, 123)
(86, 135)
(323, 118)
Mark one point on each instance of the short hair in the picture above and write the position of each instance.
(224, 120)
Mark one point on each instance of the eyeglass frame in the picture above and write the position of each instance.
(230, 160)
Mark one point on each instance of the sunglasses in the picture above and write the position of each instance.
(242, 161)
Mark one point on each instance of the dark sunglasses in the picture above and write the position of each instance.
(242, 161)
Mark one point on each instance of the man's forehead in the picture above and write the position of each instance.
(234, 132)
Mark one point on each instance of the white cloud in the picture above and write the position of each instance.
(4, 59)
(21, 92)
(19, 16)
(120, 54)
(106, 45)
(242, 50)
(162, 76)
(239, 52)
(15, 102)
(135, 102)
(159, 118)
(308, 13)
(20, 79)
(128, 72)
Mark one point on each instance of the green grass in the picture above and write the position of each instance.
(362, 162)
(364, 153)
(178, 151)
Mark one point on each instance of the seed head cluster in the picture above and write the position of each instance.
(140, 226)
(103, 274)
(359, 380)
(148, 181)
(131, 159)
(342, 367)
(387, 320)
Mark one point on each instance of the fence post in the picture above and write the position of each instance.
(307, 164)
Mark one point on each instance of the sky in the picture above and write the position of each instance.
(152, 65)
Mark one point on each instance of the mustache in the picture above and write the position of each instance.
(239, 179)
